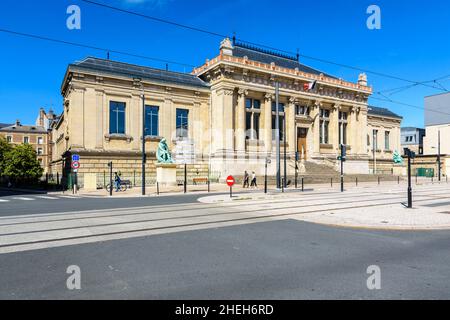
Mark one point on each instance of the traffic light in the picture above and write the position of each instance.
(343, 152)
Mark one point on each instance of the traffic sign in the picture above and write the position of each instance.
(75, 158)
(230, 181)
(75, 165)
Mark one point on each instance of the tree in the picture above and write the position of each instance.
(5, 147)
(20, 163)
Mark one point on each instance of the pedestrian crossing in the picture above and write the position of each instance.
(29, 198)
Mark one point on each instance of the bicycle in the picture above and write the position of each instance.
(123, 187)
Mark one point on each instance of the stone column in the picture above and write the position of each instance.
(334, 127)
(315, 114)
(268, 121)
(290, 124)
(240, 121)
(353, 132)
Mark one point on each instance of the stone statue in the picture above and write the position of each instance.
(397, 158)
(163, 154)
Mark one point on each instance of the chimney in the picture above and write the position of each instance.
(18, 124)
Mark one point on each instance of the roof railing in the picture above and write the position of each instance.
(265, 51)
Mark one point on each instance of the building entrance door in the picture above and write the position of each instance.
(302, 149)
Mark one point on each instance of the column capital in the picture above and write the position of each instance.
(317, 104)
(269, 96)
(242, 92)
(293, 100)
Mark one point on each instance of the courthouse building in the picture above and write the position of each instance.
(220, 118)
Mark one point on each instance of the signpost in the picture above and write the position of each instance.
(342, 158)
(75, 166)
(411, 155)
(230, 183)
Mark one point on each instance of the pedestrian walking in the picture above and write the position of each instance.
(253, 184)
(246, 180)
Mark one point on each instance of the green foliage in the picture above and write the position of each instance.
(20, 163)
(5, 147)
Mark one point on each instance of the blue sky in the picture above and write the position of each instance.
(413, 42)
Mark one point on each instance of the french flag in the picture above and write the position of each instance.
(309, 86)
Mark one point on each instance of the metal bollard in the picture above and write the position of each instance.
(157, 188)
(303, 185)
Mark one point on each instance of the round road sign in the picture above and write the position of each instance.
(230, 181)
(75, 165)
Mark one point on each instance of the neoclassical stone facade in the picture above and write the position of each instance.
(220, 118)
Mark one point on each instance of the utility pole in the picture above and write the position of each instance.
(439, 155)
(343, 158)
(374, 152)
(110, 165)
(410, 156)
(144, 156)
(277, 132)
(284, 150)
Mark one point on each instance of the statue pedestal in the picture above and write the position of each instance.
(166, 174)
(399, 170)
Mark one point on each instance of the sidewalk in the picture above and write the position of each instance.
(367, 207)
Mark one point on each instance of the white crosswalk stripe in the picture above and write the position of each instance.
(23, 199)
(2, 200)
(47, 197)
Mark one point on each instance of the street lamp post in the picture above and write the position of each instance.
(439, 155)
(277, 132)
(268, 161)
(144, 156)
(284, 151)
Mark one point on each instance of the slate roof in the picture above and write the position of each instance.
(134, 71)
(383, 112)
(256, 54)
(3, 125)
(23, 129)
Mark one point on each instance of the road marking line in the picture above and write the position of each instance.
(1, 200)
(68, 197)
(47, 197)
(23, 199)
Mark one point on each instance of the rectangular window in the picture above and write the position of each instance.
(387, 142)
(252, 104)
(8, 139)
(253, 107)
(117, 117)
(324, 126)
(40, 140)
(343, 116)
(375, 139)
(40, 151)
(151, 121)
(281, 126)
(281, 120)
(26, 140)
(182, 123)
(280, 107)
(301, 110)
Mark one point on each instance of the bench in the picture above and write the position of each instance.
(200, 181)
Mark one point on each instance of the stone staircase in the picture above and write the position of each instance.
(317, 173)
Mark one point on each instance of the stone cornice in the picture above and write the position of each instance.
(278, 71)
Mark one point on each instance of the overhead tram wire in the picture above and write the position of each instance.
(215, 34)
(409, 105)
(38, 37)
(80, 45)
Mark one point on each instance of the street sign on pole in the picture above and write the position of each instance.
(75, 165)
(75, 158)
(230, 182)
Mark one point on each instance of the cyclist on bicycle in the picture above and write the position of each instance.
(117, 181)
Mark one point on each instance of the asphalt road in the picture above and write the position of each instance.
(25, 203)
(285, 259)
